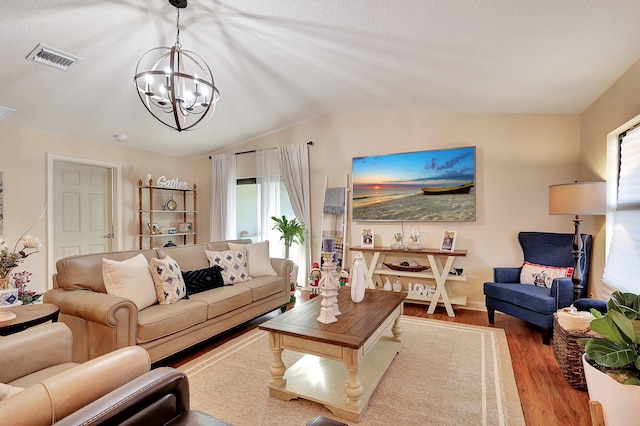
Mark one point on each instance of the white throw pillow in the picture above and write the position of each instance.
(167, 277)
(130, 279)
(257, 258)
(233, 264)
(542, 275)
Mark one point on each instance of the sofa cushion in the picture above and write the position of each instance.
(130, 279)
(224, 299)
(258, 259)
(7, 391)
(190, 257)
(203, 279)
(158, 321)
(262, 287)
(233, 263)
(167, 277)
(542, 275)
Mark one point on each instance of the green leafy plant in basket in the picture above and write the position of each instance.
(618, 352)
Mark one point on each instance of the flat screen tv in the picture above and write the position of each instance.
(436, 185)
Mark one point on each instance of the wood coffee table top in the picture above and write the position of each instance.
(355, 325)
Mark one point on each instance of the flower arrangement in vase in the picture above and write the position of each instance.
(20, 281)
(11, 259)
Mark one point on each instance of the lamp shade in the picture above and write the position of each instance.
(579, 198)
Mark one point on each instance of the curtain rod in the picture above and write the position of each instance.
(253, 150)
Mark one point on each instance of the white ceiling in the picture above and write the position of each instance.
(281, 62)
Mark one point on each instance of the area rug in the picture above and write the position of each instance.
(446, 374)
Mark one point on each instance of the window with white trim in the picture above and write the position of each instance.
(622, 268)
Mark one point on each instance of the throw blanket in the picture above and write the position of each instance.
(334, 200)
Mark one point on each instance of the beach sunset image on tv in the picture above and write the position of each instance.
(437, 185)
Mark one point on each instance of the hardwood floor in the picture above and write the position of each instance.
(546, 397)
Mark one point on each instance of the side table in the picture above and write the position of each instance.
(28, 316)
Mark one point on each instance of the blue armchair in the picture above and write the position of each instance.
(531, 303)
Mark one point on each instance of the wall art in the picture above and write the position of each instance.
(436, 185)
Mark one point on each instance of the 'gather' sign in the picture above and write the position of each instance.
(172, 183)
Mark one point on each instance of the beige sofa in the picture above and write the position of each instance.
(102, 322)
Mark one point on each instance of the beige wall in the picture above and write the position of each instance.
(23, 161)
(617, 106)
(518, 157)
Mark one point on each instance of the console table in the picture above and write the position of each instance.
(440, 264)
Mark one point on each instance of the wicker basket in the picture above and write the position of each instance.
(568, 353)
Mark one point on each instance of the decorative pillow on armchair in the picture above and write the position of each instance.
(203, 279)
(168, 280)
(233, 263)
(542, 275)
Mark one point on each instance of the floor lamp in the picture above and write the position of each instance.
(579, 198)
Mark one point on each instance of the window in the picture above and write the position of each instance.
(247, 214)
(623, 262)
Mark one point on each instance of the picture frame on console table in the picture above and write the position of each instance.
(367, 238)
(448, 241)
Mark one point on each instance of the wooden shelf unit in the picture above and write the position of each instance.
(185, 212)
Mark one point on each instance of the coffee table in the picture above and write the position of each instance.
(28, 316)
(345, 360)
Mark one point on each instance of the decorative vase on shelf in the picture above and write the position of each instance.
(397, 241)
(4, 283)
(397, 286)
(387, 285)
(414, 238)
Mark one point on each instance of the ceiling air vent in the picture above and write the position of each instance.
(54, 58)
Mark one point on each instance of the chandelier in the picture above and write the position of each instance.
(175, 85)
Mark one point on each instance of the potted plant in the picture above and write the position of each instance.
(291, 232)
(612, 362)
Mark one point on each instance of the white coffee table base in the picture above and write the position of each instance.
(340, 378)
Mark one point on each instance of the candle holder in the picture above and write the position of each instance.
(328, 290)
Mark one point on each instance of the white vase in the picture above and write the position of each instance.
(357, 279)
(387, 285)
(620, 403)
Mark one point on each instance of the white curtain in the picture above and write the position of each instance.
(294, 164)
(623, 262)
(223, 197)
(268, 179)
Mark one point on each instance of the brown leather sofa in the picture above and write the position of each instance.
(160, 397)
(102, 323)
(38, 360)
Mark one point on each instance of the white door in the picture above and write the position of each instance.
(82, 209)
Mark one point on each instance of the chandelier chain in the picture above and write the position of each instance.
(178, 45)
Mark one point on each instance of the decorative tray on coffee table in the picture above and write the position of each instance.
(6, 314)
(405, 268)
